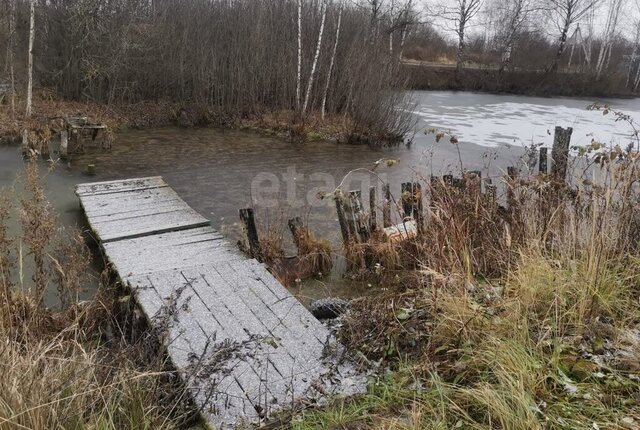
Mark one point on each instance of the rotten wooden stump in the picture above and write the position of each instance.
(248, 220)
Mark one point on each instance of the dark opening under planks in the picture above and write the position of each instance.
(244, 346)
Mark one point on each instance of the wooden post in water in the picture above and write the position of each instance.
(350, 215)
(491, 193)
(25, 141)
(473, 182)
(543, 165)
(406, 192)
(64, 144)
(248, 219)
(373, 221)
(512, 175)
(560, 153)
(359, 215)
(417, 208)
(448, 180)
(298, 230)
(386, 209)
(342, 218)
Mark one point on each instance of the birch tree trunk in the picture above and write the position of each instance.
(312, 74)
(403, 38)
(634, 55)
(299, 73)
(607, 40)
(461, 29)
(561, 46)
(32, 31)
(331, 63)
(12, 38)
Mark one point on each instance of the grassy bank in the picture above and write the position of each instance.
(523, 315)
(50, 110)
(531, 83)
(89, 365)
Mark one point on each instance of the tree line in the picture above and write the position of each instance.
(239, 57)
(323, 56)
(596, 38)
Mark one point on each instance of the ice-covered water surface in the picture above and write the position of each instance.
(494, 120)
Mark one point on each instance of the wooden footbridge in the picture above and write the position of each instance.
(243, 345)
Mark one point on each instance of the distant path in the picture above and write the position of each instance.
(244, 346)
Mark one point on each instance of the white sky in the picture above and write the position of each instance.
(629, 15)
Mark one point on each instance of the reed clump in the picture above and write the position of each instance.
(76, 364)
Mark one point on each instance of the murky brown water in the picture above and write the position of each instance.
(218, 172)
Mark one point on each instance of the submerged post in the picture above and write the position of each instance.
(64, 144)
(298, 230)
(359, 215)
(407, 206)
(560, 153)
(342, 218)
(248, 219)
(417, 208)
(543, 163)
(373, 221)
(386, 209)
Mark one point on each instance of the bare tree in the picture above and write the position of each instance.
(332, 62)
(565, 13)
(459, 13)
(312, 73)
(633, 59)
(401, 18)
(299, 73)
(610, 30)
(512, 16)
(32, 32)
(10, 54)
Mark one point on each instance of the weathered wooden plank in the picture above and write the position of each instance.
(195, 331)
(171, 250)
(118, 186)
(281, 301)
(124, 209)
(261, 321)
(299, 353)
(156, 223)
(135, 213)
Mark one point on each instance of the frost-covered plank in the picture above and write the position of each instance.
(296, 354)
(171, 250)
(279, 300)
(276, 363)
(118, 186)
(160, 222)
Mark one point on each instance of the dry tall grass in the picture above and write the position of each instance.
(518, 317)
(77, 367)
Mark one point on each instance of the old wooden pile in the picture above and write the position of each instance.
(244, 346)
(358, 225)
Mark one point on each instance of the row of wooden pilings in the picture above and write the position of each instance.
(357, 226)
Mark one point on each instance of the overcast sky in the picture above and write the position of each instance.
(629, 16)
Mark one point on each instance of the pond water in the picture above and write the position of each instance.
(217, 172)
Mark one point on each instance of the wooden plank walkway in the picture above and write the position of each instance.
(244, 346)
